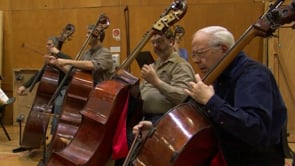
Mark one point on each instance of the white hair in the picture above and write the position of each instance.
(219, 35)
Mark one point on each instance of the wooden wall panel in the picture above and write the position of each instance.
(281, 62)
(27, 36)
(4, 5)
(28, 29)
(32, 27)
(1, 41)
(29, 23)
(23, 104)
(234, 16)
(48, 4)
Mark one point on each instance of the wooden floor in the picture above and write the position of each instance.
(31, 158)
(7, 158)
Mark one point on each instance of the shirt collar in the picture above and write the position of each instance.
(240, 59)
(171, 58)
(95, 48)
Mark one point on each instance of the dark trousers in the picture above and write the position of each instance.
(271, 157)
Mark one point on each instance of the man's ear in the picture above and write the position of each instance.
(224, 48)
(172, 42)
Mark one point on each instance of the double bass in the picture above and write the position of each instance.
(37, 122)
(75, 98)
(193, 141)
(93, 142)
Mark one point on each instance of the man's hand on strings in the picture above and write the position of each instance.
(199, 91)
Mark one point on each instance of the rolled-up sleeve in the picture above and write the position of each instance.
(103, 60)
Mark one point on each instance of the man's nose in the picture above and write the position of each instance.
(196, 59)
(155, 44)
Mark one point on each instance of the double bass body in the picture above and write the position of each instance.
(76, 96)
(183, 136)
(70, 117)
(38, 118)
(184, 117)
(37, 122)
(92, 144)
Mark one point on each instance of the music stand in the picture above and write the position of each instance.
(144, 58)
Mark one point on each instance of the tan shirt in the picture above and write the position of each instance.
(103, 63)
(176, 73)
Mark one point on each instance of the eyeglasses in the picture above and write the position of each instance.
(201, 53)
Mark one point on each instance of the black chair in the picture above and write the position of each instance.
(288, 152)
(2, 112)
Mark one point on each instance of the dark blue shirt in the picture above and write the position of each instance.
(247, 108)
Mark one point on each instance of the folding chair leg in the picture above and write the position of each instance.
(5, 131)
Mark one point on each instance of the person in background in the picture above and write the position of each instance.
(51, 45)
(244, 104)
(178, 34)
(96, 59)
(4, 99)
(164, 80)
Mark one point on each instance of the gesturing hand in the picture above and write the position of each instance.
(149, 74)
(200, 91)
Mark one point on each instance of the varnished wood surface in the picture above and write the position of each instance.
(26, 158)
(31, 158)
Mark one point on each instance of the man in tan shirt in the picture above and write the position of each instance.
(165, 79)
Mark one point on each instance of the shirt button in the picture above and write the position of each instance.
(209, 111)
(221, 122)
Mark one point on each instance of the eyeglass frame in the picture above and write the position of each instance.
(201, 53)
(158, 41)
